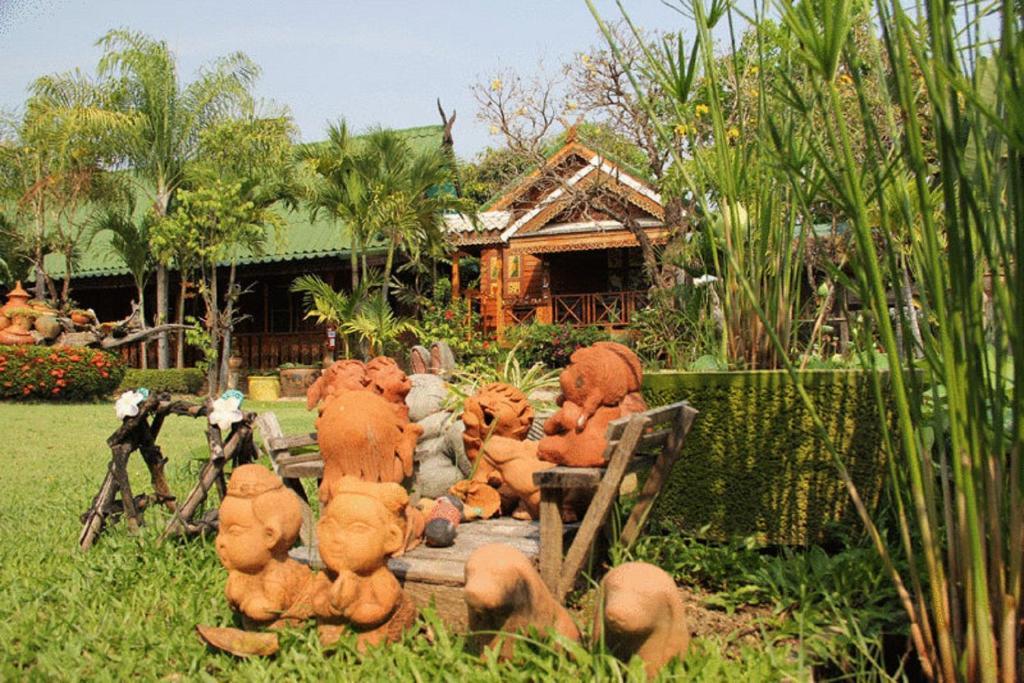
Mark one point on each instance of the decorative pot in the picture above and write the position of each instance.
(4, 322)
(18, 331)
(48, 326)
(264, 388)
(16, 298)
(79, 318)
(295, 381)
(235, 362)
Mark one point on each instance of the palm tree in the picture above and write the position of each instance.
(336, 189)
(405, 195)
(130, 241)
(377, 325)
(170, 116)
(330, 307)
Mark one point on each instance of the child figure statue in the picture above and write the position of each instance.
(259, 522)
(360, 529)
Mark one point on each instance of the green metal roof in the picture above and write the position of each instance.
(300, 238)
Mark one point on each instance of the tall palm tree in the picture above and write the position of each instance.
(405, 196)
(143, 74)
(335, 189)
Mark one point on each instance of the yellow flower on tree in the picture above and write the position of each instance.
(496, 84)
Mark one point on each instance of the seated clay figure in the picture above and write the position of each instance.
(361, 435)
(600, 385)
(497, 419)
(497, 409)
(359, 530)
(602, 374)
(341, 375)
(505, 594)
(387, 379)
(259, 522)
(640, 613)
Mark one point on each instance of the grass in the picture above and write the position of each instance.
(128, 607)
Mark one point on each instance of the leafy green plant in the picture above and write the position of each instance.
(456, 323)
(57, 373)
(377, 325)
(909, 110)
(331, 307)
(508, 371)
(551, 345)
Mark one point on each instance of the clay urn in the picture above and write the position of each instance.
(48, 326)
(18, 332)
(16, 298)
(80, 318)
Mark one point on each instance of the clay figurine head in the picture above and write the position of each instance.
(388, 380)
(259, 520)
(362, 526)
(342, 375)
(497, 409)
(640, 613)
(505, 594)
(361, 435)
(600, 375)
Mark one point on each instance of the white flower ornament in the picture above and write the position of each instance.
(127, 404)
(226, 410)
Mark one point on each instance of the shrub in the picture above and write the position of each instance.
(175, 381)
(456, 324)
(57, 373)
(551, 344)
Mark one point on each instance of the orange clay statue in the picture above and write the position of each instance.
(505, 594)
(340, 376)
(361, 435)
(259, 522)
(387, 379)
(497, 419)
(640, 613)
(360, 529)
(600, 385)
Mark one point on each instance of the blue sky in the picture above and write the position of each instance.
(373, 62)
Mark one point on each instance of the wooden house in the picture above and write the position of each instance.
(560, 246)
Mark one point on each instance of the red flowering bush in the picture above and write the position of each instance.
(57, 373)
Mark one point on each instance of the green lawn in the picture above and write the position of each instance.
(128, 607)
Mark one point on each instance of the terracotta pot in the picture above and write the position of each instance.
(295, 381)
(48, 326)
(235, 362)
(17, 332)
(79, 318)
(5, 322)
(16, 297)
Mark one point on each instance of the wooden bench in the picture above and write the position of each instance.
(438, 574)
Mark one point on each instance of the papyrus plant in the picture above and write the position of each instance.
(925, 167)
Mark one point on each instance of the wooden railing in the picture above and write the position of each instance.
(267, 350)
(608, 309)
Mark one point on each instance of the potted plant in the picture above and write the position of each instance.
(297, 378)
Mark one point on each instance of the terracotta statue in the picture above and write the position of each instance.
(640, 613)
(338, 377)
(601, 384)
(259, 522)
(496, 409)
(361, 435)
(359, 530)
(497, 419)
(505, 594)
(387, 379)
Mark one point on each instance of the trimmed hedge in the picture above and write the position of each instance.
(57, 373)
(174, 380)
(754, 464)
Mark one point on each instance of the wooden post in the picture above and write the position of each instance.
(456, 278)
(551, 533)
